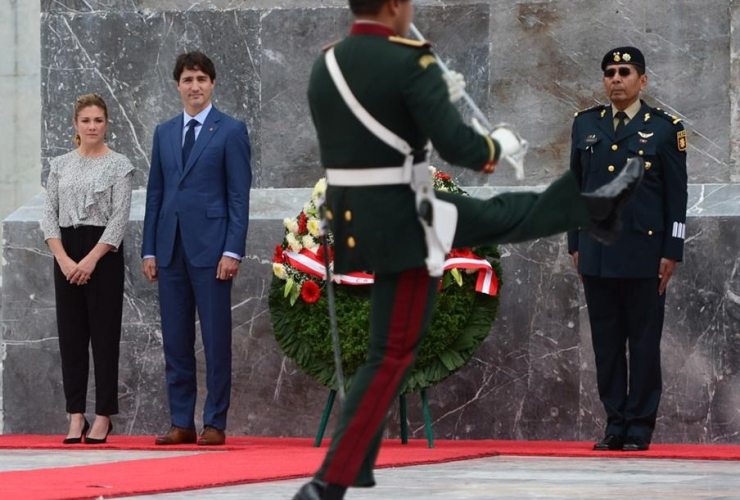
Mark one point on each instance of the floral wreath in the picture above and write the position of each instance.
(465, 311)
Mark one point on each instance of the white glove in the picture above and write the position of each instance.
(513, 147)
(455, 85)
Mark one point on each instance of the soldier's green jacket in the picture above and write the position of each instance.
(399, 83)
(655, 219)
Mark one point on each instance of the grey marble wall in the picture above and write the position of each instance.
(528, 63)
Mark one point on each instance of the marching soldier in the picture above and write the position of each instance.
(625, 283)
(376, 99)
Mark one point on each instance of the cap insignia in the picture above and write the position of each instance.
(626, 58)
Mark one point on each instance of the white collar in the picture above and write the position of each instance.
(201, 117)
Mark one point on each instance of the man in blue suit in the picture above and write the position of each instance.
(195, 229)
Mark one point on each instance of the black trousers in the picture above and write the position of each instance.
(626, 312)
(90, 314)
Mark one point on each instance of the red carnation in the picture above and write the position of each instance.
(278, 257)
(320, 253)
(310, 292)
(442, 176)
(303, 224)
(465, 252)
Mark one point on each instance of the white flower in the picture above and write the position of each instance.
(314, 227)
(308, 242)
(279, 271)
(293, 243)
(291, 225)
(319, 189)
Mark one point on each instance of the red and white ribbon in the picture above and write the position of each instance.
(309, 263)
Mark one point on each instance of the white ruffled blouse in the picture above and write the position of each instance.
(84, 191)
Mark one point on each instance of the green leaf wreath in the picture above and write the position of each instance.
(462, 319)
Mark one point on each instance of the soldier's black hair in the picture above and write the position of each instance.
(194, 61)
(367, 7)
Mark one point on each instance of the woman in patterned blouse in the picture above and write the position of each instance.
(88, 200)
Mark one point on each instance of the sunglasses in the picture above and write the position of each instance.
(623, 72)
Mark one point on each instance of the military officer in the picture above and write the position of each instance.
(625, 283)
(376, 99)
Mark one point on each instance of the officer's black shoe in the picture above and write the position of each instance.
(612, 442)
(317, 489)
(606, 203)
(636, 443)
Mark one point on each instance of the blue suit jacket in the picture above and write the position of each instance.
(208, 197)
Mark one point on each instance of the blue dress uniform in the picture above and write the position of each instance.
(621, 280)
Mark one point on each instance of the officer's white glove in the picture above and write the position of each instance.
(513, 147)
(455, 85)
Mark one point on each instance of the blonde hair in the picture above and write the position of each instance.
(85, 101)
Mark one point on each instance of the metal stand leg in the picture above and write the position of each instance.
(325, 418)
(404, 420)
(427, 419)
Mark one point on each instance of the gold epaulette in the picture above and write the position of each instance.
(600, 107)
(326, 47)
(409, 42)
(667, 116)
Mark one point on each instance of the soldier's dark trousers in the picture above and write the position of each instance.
(626, 312)
(90, 314)
(401, 308)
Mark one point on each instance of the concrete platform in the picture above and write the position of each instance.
(499, 478)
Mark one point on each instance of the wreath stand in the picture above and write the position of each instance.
(404, 421)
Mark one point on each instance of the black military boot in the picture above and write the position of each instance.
(317, 489)
(606, 203)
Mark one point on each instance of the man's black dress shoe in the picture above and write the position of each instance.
(611, 442)
(317, 489)
(606, 203)
(636, 443)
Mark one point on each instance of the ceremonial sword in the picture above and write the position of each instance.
(330, 297)
(515, 160)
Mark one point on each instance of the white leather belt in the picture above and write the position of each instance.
(345, 177)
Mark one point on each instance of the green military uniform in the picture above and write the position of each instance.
(376, 228)
(621, 280)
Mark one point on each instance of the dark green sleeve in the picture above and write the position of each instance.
(428, 100)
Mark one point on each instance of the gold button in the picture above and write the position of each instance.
(611, 168)
(648, 165)
(329, 215)
(614, 147)
(650, 233)
(641, 152)
(348, 216)
(351, 242)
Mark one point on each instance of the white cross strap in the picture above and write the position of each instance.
(378, 129)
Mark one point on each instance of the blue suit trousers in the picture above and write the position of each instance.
(184, 288)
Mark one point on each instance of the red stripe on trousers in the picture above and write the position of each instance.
(405, 327)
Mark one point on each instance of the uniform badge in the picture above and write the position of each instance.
(683, 144)
(626, 58)
(603, 113)
(591, 139)
(426, 60)
(617, 57)
(645, 135)
(647, 117)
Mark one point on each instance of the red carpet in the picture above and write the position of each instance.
(249, 460)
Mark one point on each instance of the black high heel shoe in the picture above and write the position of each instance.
(78, 440)
(89, 440)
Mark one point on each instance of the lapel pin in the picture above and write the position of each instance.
(211, 129)
(603, 113)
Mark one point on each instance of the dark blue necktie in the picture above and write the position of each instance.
(621, 116)
(187, 147)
